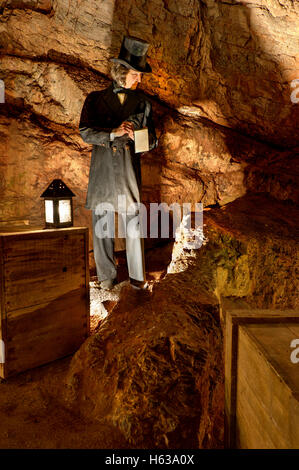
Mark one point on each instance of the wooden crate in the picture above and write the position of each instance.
(261, 382)
(44, 296)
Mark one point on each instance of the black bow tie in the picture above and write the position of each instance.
(120, 89)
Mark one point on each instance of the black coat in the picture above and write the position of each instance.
(115, 167)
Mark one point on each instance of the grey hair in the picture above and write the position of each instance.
(119, 73)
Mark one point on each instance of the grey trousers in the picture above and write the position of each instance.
(103, 244)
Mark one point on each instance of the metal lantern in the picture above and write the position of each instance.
(58, 205)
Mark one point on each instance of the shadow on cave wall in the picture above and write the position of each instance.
(270, 134)
(252, 69)
(257, 82)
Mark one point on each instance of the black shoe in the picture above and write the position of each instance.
(138, 284)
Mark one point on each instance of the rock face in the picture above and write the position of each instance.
(154, 369)
(234, 60)
(223, 86)
(250, 253)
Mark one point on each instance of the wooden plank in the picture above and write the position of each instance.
(230, 342)
(262, 398)
(280, 406)
(260, 316)
(38, 263)
(255, 430)
(253, 367)
(274, 341)
(53, 330)
(28, 315)
(41, 232)
(248, 408)
(293, 424)
(20, 247)
(235, 317)
(45, 302)
(87, 298)
(252, 424)
(2, 285)
(2, 311)
(294, 328)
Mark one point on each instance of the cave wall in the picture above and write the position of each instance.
(221, 88)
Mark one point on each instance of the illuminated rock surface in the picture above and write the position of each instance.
(221, 83)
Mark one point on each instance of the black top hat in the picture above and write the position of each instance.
(133, 54)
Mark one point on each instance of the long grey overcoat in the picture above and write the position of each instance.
(115, 167)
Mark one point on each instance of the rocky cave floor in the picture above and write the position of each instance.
(153, 360)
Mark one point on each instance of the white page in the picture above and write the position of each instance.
(141, 140)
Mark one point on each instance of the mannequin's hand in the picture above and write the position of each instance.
(125, 128)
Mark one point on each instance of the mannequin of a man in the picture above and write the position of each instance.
(108, 121)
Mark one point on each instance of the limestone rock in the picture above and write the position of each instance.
(276, 174)
(233, 61)
(154, 369)
(252, 252)
(227, 70)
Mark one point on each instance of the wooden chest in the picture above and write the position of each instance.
(44, 287)
(261, 380)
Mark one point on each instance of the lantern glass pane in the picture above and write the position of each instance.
(49, 211)
(64, 208)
